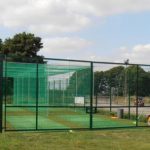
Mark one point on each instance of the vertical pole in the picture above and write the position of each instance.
(94, 98)
(22, 91)
(91, 98)
(5, 90)
(37, 91)
(137, 89)
(125, 85)
(110, 99)
(1, 94)
(63, 82)
(60, 96)
(16, 101)
(63, 88)
(76, 85)
(96, 101)
(49, 85)
(54, 92)
(59, 84)
(28, 89)
(129, 103)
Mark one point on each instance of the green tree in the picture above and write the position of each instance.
(1, 44)
(104, 80)
(115, 78)
(143, 80)
(100, 83)
(98, 76)
(23, 47)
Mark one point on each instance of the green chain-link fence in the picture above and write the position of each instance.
(71, 94)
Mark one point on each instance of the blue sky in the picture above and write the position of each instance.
(119, 30)
(99, 30)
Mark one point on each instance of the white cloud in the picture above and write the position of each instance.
(55, 16)
(136, 54)
(60, 16)
(44, 16)
(64, 46)
(105, 8)
(76, 48)
(139, 54)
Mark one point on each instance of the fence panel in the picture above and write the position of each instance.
(69, 94)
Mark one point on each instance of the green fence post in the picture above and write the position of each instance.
(37, 94)
(5, 89)
(129, 104)
(137, 92)
(91, 98)
(96, 101)
(1, 94)
(110, 99)
(129, 100)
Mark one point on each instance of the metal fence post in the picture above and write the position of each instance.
(110, 103)
(37, 94)
(5, 90)
(129, 97)
(91, 98)
(129, 105)
(137, 92)
(1, 94)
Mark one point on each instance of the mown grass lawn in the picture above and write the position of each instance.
(121, 139)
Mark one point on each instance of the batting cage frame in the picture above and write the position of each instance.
(65, 94)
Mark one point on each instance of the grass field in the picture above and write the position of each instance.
(124, 139)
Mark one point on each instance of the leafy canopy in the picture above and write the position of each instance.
(22, 47)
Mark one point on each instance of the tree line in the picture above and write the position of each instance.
(122, 80)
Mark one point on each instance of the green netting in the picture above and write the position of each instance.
(30, 89)
(58, 95)
(45, 83)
